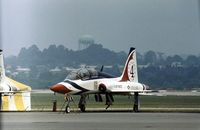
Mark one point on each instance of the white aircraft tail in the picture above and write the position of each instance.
(130, 72)
(2, 69)
(14, 96)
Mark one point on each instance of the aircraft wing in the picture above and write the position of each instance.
(20, 86)
(17, 99)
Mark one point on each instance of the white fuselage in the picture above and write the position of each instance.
(112, 85)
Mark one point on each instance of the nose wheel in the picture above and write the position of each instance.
(67, 109)
(68, 100)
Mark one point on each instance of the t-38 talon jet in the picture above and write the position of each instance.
(89, 81)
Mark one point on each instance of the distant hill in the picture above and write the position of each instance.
(155, 68)
(54, 56)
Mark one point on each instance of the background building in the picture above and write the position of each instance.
(85, 41)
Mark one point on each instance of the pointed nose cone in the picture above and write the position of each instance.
(59, 88)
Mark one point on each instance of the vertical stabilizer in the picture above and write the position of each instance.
(2, 70)
(130, 69)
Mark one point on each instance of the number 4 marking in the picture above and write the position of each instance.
(131, 72)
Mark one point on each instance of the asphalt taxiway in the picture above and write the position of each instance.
(99, 121)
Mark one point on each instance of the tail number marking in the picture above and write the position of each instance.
(131, 68)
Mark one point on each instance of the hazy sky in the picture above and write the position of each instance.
(170, 26)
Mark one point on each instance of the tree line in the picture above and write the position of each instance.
(155, 68)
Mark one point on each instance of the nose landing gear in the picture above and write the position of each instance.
(68, 100)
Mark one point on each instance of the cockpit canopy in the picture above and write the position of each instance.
(86, 74)
(83, 74)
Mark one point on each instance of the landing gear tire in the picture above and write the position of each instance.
(82, 108)
(82, 103)
(136, 102)
(67, 109)
(135, 108)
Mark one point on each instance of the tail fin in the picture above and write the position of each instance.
(2, 70)
(130, 69)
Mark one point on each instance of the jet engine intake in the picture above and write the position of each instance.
(102, 87)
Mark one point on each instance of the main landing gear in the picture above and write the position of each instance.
(109, 100)
(136, 102)
(82, 103)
